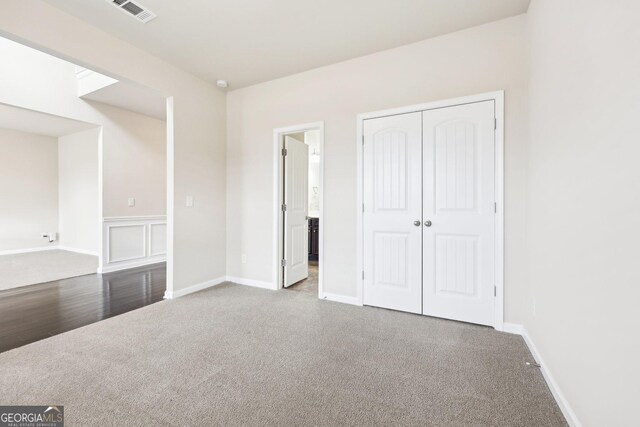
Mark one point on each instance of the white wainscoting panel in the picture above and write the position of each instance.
(130, 242)
(126, 242)
(157, 238)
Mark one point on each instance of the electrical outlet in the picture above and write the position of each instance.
(189, 201)
(244, 258)
(131, 202)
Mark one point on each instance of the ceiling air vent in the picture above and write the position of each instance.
(134, 9)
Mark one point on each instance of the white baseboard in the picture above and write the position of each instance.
(29, 250)
(563, 404)
(568, 413)
(251, 282)
(210, 283)
(268, 285)
(79, 251)
(341, 298)
(194, 288)
(131, 264)
(512, 328)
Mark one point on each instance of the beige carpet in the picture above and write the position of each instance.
(43, 266)
(235, 355)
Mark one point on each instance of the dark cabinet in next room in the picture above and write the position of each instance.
(314, 233)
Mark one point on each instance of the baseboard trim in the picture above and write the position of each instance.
(341, 298)
(568, 413)
(512, 328)
(563, 404)
(194, 288)
(133, 264)
(76, 250)
(250, 282)
(29, 250)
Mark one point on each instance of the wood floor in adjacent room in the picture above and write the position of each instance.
(32, 313)
(236, 355)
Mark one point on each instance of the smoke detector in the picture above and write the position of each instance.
(134, 9)
(222, 84)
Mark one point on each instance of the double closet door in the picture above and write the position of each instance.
(429, 212)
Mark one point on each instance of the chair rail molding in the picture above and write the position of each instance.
(133, 241)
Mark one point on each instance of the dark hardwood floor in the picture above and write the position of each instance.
(34, 312)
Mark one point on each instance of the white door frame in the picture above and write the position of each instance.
(278, 135)
(498, 97)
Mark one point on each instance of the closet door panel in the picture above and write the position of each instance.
(458, 179)
(392, 234)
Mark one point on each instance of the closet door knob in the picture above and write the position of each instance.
(416, 223)
(427, 223)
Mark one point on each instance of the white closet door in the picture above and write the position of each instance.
(296, 223)
(392, 214)
(458, 253)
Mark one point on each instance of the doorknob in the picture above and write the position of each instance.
(427, 223)
(416, 223)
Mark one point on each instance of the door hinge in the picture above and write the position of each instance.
(362, 139)
(284, 152)
(495, 123)
(495, 291)
(362, 274)
(283, 263)
(284, 207)
(363, 207)
(495, 207)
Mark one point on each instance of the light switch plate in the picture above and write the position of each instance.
(131, 202)
(189, 201)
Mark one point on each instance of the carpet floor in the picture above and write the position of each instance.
(44, 266)
(234, 355)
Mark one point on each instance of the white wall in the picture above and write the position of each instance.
(28, 189)
(134, 162)
(486, 58)
(584, 203)
(134, 148)
(196, 235)
(78, 203)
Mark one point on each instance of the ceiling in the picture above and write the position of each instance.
(30, 121)
(133, 98)
(251, 41)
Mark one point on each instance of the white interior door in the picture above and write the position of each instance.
(459, 197)
(296, 199)
(392, 213)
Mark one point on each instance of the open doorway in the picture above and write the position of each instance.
(49, 172)
(298, 160)
(84, 165)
